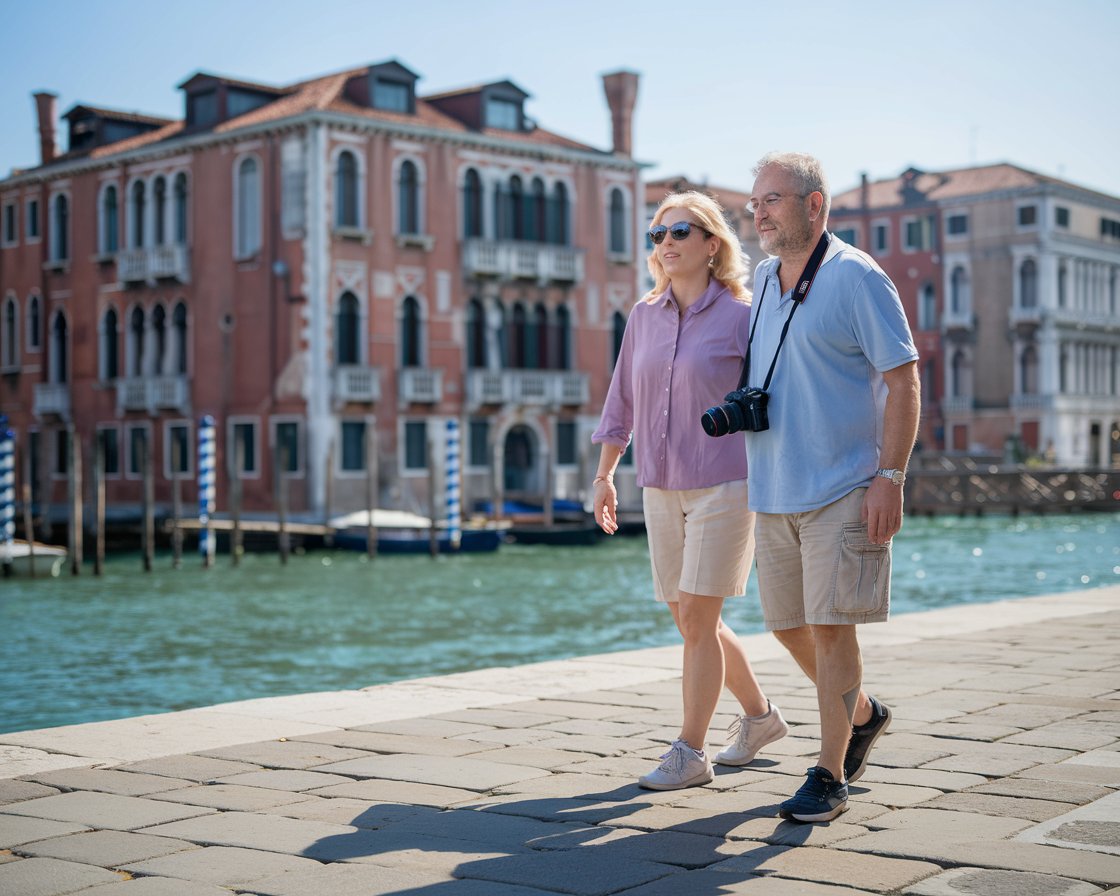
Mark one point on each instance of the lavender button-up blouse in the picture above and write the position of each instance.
(670, 370)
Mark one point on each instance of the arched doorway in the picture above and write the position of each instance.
(519, 460)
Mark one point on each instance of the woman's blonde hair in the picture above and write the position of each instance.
(729, 266)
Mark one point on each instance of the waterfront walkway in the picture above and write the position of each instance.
(999, 776)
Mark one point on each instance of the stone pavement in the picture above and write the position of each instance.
(1000, 775)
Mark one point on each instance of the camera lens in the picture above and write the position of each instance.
(722, 419)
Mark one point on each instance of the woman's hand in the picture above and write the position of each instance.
(606, 504)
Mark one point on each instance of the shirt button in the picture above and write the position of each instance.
(666, 413)
(662, 435)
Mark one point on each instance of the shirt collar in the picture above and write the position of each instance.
(706, 299)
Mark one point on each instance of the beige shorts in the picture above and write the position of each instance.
(818, 567)
(701, 540)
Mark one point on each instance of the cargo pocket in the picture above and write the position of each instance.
(863, 574)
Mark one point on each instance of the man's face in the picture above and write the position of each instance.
(781, 214)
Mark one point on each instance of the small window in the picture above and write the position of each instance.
(245, 445)
(61, 452)
(392, 96)
(1061, 216)
(847, 235)
(60, 228)
(416, 445)
(956, 225)
(927, 308)
(881, 238)
(478, 446)
(408, 198)
(617, 222)
(918, 234)
(504, 114)
(34, 324)
(202, 109)
(566, 453)
(9, 340)
(177, 461)
(287, 445)
(353, 446)
(109, 439)
(238, 102)
(33, 219)
(346, 190)
(1110, 228)
(248, 223)
(472, 204)
(11, 231)
(1028, 215)
(137, 450)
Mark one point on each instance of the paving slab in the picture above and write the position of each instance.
(107, 781)
(157, 886)
(1095, 826)
(1006, 806)
(879, 874)
(387, 742)
(13, 790)
(50, 877)
(445, 771)
(345, 879)
(399, 792)
(109, 849)
(580, 872)
(359, 813)
(16, 830)
(227, 797)
(292, 780)
(988, 882)
(285, 753)
(189, 768)
(223, 866)
(104, 810)
(731, 882)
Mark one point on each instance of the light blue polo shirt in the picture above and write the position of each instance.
(827, 395)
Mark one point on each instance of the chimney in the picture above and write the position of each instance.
(622, 93)
(45, 105)
(864, 191)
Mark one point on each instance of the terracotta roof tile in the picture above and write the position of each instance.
(943, 185)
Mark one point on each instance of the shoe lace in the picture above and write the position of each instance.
(739, 730)
(674, 760)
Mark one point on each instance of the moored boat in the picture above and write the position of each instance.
(48, 558)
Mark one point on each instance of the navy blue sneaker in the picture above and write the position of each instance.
(820, 798)
(863, 739)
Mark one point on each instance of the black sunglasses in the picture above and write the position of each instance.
(678, 231)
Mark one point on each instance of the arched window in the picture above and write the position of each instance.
(110, 361)
(1028, 284)
(1063, 370)
(159, 337)
(180, 191)
(563, 358)
(60, 229)
(929, 382)
(1063, 286)
(179, 325)
(60, 361)
(136, 212)
(516, 337)
(347, 349)
(534, 212)
(110, 220)
(159, 210)
(536, 327)
(961, 385)
(346, 190)
(960, 299)
(135, 343)
(1028, 371)
(543, 333)
(516, 209)
(34, 324)
(472, 204)
(410, 333)
(476, 335)
(9, 345)
(497, 331)
(927, 308)
(617, 223)
(248, 208)
(557, 224)
(408, 198)
(618, 328)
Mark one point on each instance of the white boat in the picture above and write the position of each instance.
(49, 558)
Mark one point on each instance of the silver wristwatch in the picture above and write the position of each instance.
(898, 477)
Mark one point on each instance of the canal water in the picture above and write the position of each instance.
(86, 649)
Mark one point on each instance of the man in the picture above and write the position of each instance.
(826, 476)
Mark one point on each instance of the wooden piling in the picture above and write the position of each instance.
(549, 487)
(280, 483)
(371, 489)
(176, 504)
(149, 539)
(235, 539)
(98, 506)
(29, 529)
(74, 463)
(433, 528)
(328, 488)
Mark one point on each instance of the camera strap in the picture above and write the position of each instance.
(800, 293)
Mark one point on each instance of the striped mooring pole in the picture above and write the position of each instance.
(206, 487)
(453, 485)
(7, 493)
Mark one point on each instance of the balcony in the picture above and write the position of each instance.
(957, 404)
(527, 387)
(154, 263)
(510, 260)
(352, 382)
(956, 319)
(420, 385)
(1020, 315)
(152, 393)
(52, 398)
(1031, 402)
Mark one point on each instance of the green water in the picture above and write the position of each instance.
(129, 643)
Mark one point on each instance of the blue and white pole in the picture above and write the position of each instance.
(7, 492)
(206, 486)
(453, 475)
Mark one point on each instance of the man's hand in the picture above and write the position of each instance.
(882, 510)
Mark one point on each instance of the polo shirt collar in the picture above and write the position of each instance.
(706, 299)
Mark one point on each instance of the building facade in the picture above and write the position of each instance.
(332, 270)
(1010, 280)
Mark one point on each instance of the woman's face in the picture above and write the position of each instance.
(687, 257)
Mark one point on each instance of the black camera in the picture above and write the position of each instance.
(745, 409)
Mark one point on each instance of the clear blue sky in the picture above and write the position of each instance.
(866, 86)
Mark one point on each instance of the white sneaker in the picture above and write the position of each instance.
(681, 767)
(749, 735)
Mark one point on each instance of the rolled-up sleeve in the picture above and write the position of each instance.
(616, 425)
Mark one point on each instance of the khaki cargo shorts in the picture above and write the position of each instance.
(819, 568)
(701, 540)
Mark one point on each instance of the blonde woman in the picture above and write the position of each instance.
(681, 353)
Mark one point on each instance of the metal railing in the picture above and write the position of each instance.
(530, 387)
(52, 398)
(152, 393)
(420, 385)
(522, 261)
(353, 382)
(154, 263)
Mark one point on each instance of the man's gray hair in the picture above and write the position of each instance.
(804, 168)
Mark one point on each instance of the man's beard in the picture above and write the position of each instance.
(794, 237)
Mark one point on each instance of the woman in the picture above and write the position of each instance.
(681, 353)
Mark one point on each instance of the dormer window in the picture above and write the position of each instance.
(392, 88)
(202, 109)
(392, 96)
(238, 102)
(503, 113)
